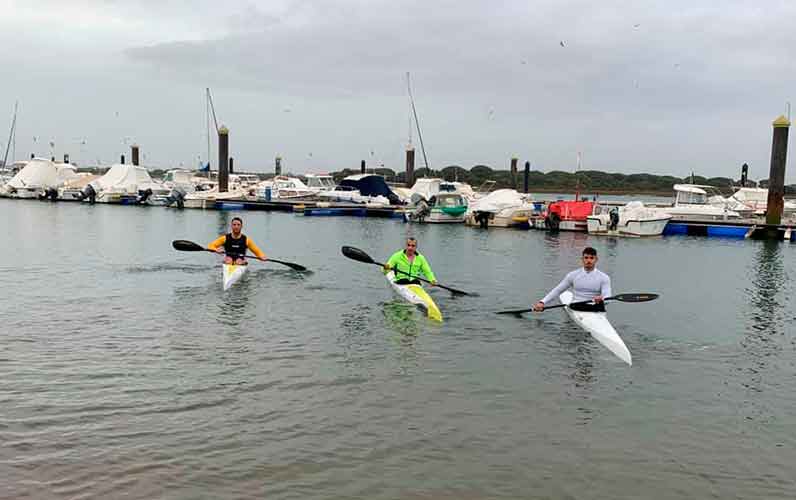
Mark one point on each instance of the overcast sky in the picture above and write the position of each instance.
(660, 87)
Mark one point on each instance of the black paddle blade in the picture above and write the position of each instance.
(187, 246)
(357, 254)
(635, 297)
(291, 265)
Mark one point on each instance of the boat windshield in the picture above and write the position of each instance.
(320, 182)
(688, 198)
(450, 201)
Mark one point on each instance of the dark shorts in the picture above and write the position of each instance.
(406, 281)
(589, 307)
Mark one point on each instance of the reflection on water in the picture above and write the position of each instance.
(768, 295)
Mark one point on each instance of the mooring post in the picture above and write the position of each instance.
(122, 160)
(278, 166)
(134, 154)
(513, 170)
(776, 176)
(410, 166)
(231, 162)
(223, 159)
(527, 174)
(362, 166)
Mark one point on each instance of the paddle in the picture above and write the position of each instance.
(359, 255)
(190, 246)
(622, 297)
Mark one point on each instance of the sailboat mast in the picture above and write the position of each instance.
(417, 122)
(207, 120)
(12, 136)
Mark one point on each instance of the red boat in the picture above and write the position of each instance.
(568, 215)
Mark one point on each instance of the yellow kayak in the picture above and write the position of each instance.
(416, 294)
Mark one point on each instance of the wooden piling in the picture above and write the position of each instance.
(122, 160)
(410, 166)
(278, 165)
(134, 154)
(223, 159)
(513, 170)
(231, 162)
(362, 166)
(526, 176)
(776, 176)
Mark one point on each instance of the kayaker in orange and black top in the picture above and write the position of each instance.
(234, 245)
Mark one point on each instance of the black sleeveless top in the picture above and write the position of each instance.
(233, 247)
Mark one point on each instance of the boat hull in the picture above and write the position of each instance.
(415, 294)
(598, 326)
(649, 227)
(232, 273)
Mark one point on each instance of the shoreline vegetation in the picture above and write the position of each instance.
(588, 182)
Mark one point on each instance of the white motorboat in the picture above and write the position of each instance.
(501, 208)
(282, 187)
(319, 183)
(369, 189)
(38, 177)
(207, 199)
(441, 208)
(691, 201)
(633, 219)
(755, 200)
(598, 326)
(126, 185)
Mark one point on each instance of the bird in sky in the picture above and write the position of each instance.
(561, 43)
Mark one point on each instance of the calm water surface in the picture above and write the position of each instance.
(125, 371)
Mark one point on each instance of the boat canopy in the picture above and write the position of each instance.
(42, 173)
(370, 185)
(129, 178)
(498, 200)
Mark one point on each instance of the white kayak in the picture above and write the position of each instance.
(415, 294)
(597, 324)
(232, 273)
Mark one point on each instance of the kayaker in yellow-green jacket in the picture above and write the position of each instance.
(408, 264)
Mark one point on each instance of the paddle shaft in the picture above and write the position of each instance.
(622, 297)
(452, 290)
(360, 256)
(190, 246)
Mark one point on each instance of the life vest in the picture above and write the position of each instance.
(235, 247)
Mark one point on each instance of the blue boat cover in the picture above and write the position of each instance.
(372, 185)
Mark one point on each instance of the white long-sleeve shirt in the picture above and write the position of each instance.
(585, 285)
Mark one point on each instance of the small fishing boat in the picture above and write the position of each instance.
(415, 294)
(598, 326)
(633, 219)
(232, 273)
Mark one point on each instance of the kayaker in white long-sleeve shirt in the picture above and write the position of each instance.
(586, 283)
